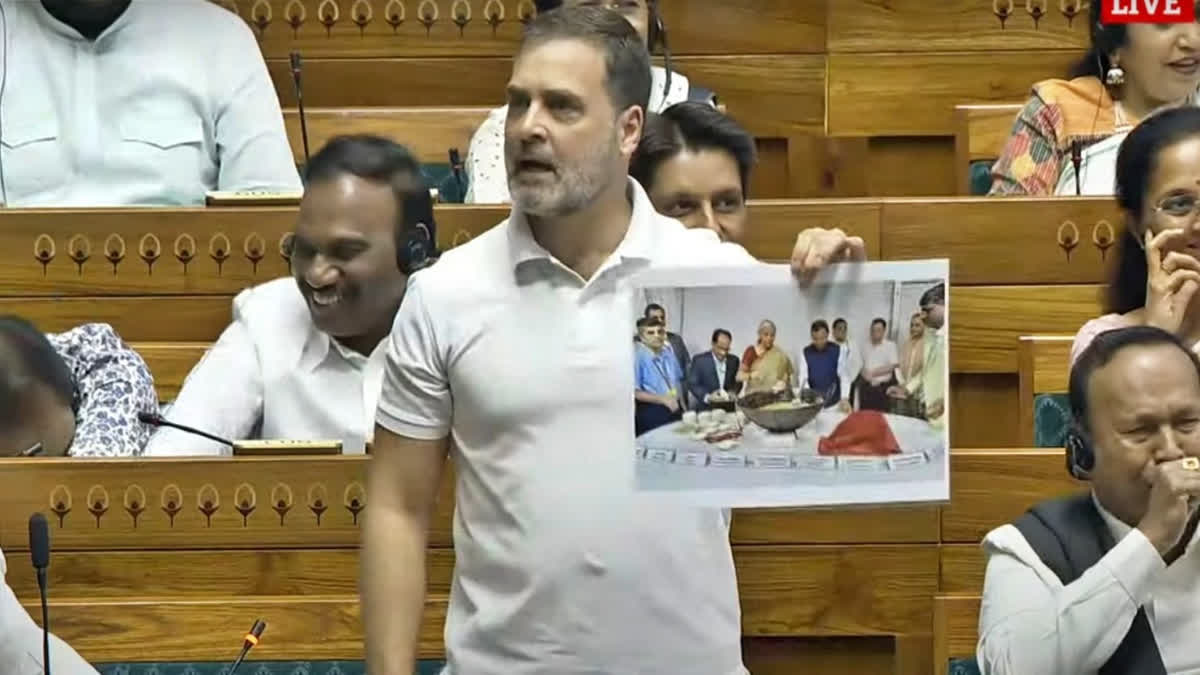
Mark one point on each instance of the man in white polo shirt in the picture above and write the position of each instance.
(516, 345)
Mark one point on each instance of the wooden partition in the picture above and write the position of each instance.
(136, 543)
(127, 267)
(880, 80)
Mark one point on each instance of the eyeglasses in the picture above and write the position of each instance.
(1179, 206)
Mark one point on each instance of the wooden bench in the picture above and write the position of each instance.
(1043, 365)
(429, 132)
(170, 363)
(955, 629)
(980, 132)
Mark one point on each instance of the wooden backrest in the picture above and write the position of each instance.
(1062, 244)
(1043, 365)
(170, 363)
(980, 132)
(429, 132)
(955, 629)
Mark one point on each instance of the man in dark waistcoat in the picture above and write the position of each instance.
(1108, 581)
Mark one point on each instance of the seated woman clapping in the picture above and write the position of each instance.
(1130, 71)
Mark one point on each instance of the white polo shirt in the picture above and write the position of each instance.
(560, 568)
(170, 101)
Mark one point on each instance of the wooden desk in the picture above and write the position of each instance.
(806, 578)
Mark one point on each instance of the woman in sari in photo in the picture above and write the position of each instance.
(765, 367)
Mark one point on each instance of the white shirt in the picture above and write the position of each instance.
(274, 375)
(1031, 623)
(849, 362)
(559, 566)
(169, 102)
(1098, 165)
(21, 640)
(487, 173)
(879, 356)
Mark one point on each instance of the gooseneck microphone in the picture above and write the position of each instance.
(156, 420)
(297, 69)
(250, 641)
(39, 552)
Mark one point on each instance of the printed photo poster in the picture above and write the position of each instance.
(754, 391)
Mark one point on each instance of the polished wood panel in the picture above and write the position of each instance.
(991, 487)
(428, 132)
(830, 526)
(63, 486)
(784, 590)
(983, 410)
(180, 318)
(956, 627)
(1057, 240)
(957, 26)
(306, 628)
(985, 321)
(772, 96)
(493, 27)
(170, 363)
(1044, 364)
(775, 223)
(907, 166)
(1043, 367)
(914, 94)
(871, 655)
(963, 568)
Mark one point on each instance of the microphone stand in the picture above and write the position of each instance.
(297, 68)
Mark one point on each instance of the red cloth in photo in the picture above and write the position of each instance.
(865, 432)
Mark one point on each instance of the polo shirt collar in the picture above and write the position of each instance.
(638, 243)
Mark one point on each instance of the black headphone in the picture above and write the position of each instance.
(1081, 457)
(417, 245)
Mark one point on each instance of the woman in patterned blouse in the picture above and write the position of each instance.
(1129, 72)
(75, 393)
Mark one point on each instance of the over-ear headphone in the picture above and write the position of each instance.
(1081, 457)
(416, 247)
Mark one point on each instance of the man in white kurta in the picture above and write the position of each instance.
(21, 640)
(167, 102)
(1133, 605)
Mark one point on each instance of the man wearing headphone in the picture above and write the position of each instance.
(486, 174)
(303, 357)
(1108, 581)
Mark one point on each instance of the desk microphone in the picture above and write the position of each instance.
(39, 552)
(1077, 162)
(156, 420)
(252, 637)
(297, 69)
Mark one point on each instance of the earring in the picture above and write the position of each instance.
(1115, 77)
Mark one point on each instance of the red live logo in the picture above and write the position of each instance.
(1148, 11)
